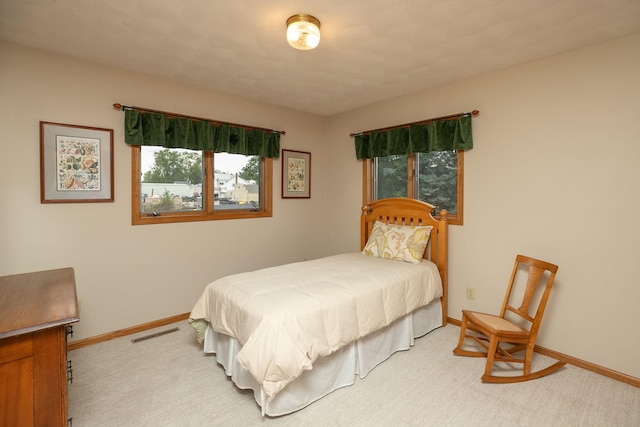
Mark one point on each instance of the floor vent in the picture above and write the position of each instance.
(157, 334)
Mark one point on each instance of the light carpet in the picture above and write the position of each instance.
(169, 381)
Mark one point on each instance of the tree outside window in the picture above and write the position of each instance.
(434, 177)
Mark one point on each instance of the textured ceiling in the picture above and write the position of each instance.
(371, 50)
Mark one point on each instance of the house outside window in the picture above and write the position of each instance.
(180, 185)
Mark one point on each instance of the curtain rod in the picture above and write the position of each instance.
(420, 122)
(148, 110)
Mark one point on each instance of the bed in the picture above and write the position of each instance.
(295, 333)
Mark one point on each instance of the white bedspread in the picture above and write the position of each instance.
(288, 316)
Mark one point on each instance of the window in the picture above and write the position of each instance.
(435, 177)
(180, 185)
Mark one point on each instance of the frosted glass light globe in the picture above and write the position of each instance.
(303, 32)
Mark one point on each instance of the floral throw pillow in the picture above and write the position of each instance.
(397, 242)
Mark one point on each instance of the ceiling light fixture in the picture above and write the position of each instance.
(303, 31)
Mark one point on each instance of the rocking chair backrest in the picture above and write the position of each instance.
(523, 303)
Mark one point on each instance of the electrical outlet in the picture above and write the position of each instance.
(471, 293)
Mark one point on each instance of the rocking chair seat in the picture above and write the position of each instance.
(494, 323)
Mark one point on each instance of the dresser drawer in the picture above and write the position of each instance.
(15, 348)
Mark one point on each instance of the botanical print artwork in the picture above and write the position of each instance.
(296, 174)
(78, 163)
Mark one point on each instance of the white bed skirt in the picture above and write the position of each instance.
(334, 371)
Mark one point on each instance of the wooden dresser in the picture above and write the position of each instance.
(35, 312)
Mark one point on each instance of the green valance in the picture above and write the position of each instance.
(439, 135)
(148, 128)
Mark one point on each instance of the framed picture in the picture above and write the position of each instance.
(76, 164)
(296, 174)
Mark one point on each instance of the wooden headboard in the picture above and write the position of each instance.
(405, 211)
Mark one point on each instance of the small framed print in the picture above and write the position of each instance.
(296, 174)
(76, 164)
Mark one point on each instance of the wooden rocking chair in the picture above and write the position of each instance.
(514, 326)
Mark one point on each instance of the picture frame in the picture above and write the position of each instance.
(76, 163)
(296, 174)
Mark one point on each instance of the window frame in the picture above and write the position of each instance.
(207, 213)
(368, 186)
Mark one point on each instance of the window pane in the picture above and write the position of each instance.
(390, 176)
(236, 182)
(171, 180)
(438, 179)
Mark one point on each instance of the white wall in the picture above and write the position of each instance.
(553, 174)
(128, 275)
